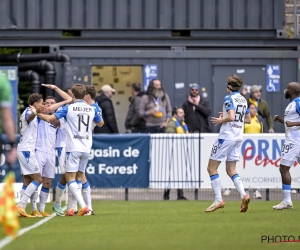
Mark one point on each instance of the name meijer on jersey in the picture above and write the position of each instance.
(83, 120)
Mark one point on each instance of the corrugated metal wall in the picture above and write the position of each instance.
(175, 70)
(142, 14)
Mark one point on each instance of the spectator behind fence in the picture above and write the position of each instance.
(108, 112)
(134, 122)
(197, 111)
(261, 105)
(255, 127)
(7, 121)
(155, 107)
(176, 126)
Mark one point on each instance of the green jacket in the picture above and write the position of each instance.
(171, 127)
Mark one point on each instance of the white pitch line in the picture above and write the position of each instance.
(9, 239)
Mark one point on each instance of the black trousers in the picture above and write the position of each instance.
(156, 130)
(167, 194)
(139, 130)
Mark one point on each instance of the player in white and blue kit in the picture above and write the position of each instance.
(227, 146)
(45, 148)
(26, 152)
(60, 145)
(86, 189)
(83, 183)
(291, 148)
(79, 117)
(89, 98)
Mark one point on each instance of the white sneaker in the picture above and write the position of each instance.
(294, 191)
(257, 195)
(216, 205)
(283, 205)
(227, 192)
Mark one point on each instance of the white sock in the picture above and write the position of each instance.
(43, 198)
(22, 192)
(79, 183)
(70, 199)
(27, 193)
(286, 190)
(74, 201)
(216, 185)
(33, 199)
(76, 193)
(59, 191)
(86, 193)
(238, 185)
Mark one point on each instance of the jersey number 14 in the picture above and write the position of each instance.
(83, 120)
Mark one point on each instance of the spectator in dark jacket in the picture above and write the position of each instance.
(134, 121)
(197, 111)
(108, 112)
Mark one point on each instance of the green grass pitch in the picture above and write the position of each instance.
(163, 225)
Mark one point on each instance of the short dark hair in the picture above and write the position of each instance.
(90, 90)
(51, 97)
(250, 104)
(136, 87)
(66, 90)
(35, 97)
(175, 110)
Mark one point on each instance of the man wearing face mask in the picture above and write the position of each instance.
(261, 105)
(291, 147)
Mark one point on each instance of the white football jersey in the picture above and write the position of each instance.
(61, 136)
(28, 132)
(234, 130)
(80, 117)
(292, 114)
(46, 137)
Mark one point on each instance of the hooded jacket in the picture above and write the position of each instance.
(133, 118)
(108, 114)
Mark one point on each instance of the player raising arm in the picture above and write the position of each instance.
(54, 106)
(291, 147)
(79, 117)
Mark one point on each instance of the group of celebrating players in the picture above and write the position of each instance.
(65, 128)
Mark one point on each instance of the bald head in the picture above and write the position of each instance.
(292, 90)
(294, 86)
